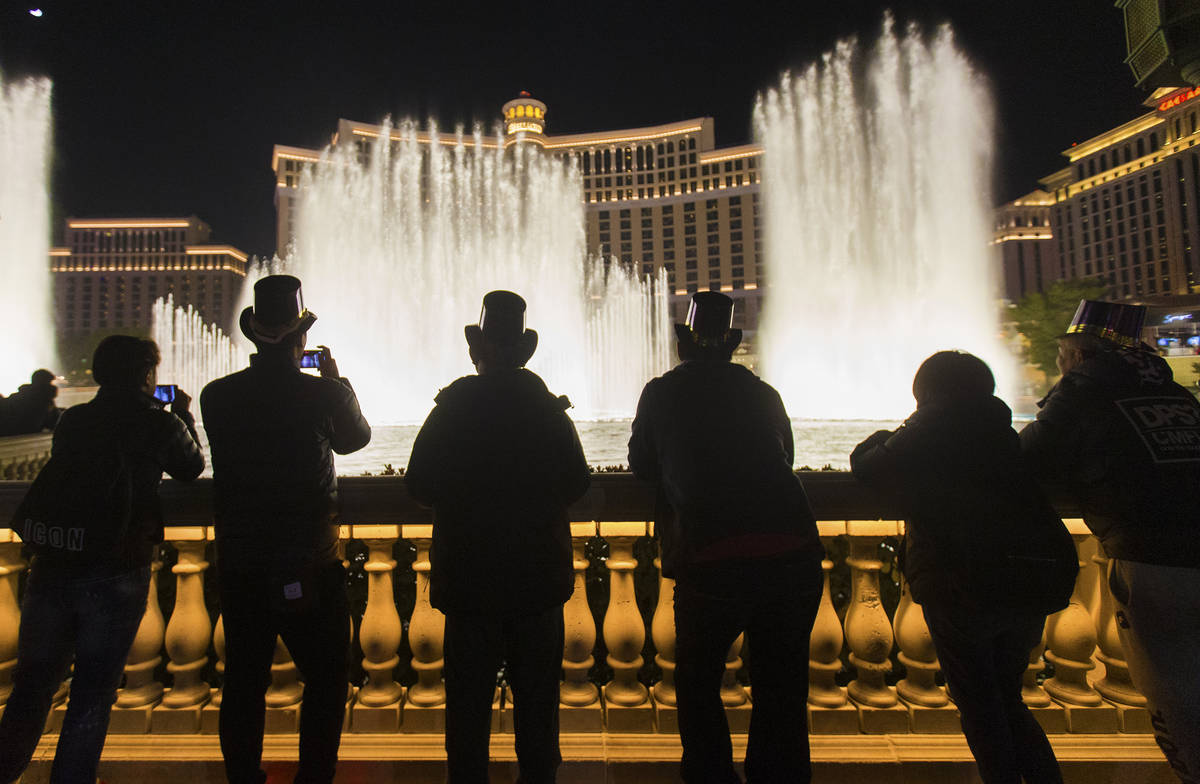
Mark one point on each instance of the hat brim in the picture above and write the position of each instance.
(524, 346)
(259, 334)
(733, 337)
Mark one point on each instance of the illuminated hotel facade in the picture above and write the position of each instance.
(1125, 212)
(111, 270)
(662, 197)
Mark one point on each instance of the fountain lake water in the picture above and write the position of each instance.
(397, 252)
(25, 296)
(877, 195)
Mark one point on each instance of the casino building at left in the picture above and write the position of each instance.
(110, 271)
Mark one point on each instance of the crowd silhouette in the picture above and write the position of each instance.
(499, 462)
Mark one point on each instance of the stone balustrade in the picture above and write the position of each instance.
(21, 457)
(872, 668)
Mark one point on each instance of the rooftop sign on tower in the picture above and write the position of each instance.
(524, 114)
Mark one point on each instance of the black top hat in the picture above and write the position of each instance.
(278, 310)
(710, 323)
(1115, 321)
(502, 323)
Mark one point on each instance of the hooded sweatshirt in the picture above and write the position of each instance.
(1125, 440)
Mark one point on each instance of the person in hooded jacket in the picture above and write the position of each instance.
(741, 545)
(984, 554)
(1124, 439)
(273, 431)
(31, 408)
(86, 605)
(499, 461)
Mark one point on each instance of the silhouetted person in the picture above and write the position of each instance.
(273, 430)
(742, 547)
(92, 520)
(984, 554)
(499, 461)
(31, 408)
(1125, 440)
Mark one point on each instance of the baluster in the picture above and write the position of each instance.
(210, 713)
(378, 705)
(1070, 643)
(1116, 686)
(1031, 691)
(188, 634)
(928, 705)
(662, 632)
(425, 709)
(733, 694)
(626, 699)
(284, 694)
(869, 632)
(11, 567)
(580, 709)
(142, 692)
(828, 711)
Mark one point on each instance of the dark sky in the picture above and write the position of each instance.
(172, 108)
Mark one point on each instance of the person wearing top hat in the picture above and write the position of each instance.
(1124, 440)
(499, 461)
(272, 431)
(741, 544)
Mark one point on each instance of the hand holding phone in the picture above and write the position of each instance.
(311, 359)
(329, 368)
(165, 393)
(182, 402)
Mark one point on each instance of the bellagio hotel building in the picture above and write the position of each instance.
(660, 197)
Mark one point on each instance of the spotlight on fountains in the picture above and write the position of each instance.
(1162, 40)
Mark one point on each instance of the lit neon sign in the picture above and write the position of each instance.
(1179, 98)
(1177, 317)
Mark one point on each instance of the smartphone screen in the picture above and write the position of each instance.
(165, 392)
(311, 359)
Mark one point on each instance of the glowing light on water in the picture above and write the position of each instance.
(397, 251)
(193, 352)
(25, 293)
(877, 199)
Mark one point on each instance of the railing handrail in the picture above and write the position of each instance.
(613, 496)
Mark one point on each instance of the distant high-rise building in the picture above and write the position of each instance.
(1126, 211)
(659, 197)
(111, 271)
(1029, 262)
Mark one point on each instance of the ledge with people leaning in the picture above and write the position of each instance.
(743, 560)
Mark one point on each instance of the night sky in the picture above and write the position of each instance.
(172, 108)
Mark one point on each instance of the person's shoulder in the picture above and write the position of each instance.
(460, 389)
(225, 384)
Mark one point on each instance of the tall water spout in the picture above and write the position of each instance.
(397, 252)
(877, 194)
(193, 352)
(25, 289)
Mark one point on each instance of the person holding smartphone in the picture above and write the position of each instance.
(273, 431)
(87, 592)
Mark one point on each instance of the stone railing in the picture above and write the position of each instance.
(21, 457)
(872, 666)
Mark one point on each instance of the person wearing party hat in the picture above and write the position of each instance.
(1124, 439)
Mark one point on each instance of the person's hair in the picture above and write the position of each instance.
(124, 361)
(1086, 344)
(289, 342)
(950, 376)
(42, 376)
